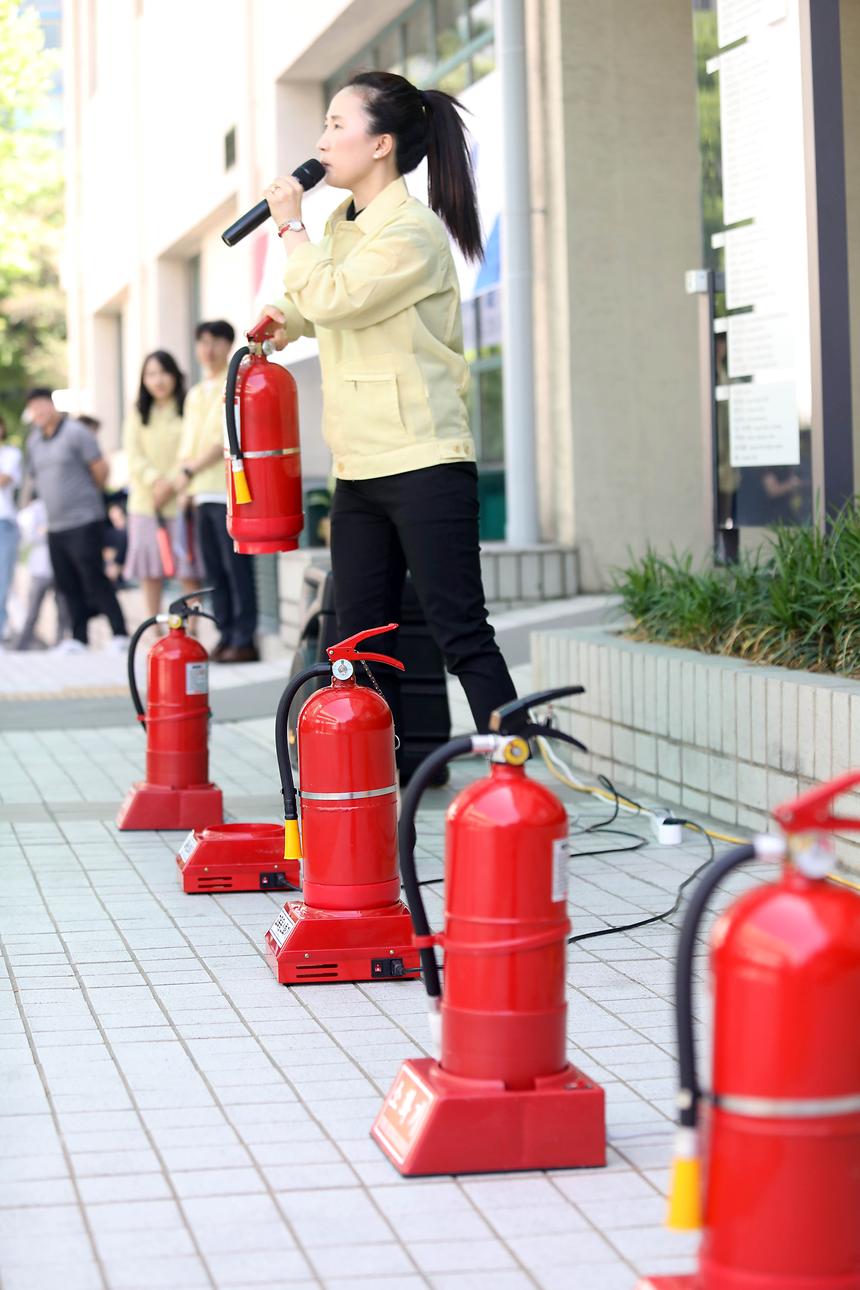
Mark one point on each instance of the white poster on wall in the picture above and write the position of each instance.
(752, 273)
(745, 107)
(763, 425)
(739, 18)
(759, 344)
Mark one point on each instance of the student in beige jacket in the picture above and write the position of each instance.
(380, 293)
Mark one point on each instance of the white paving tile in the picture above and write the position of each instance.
(191, 1123)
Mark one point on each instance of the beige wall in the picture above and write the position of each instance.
(618, 350)
(849, 20)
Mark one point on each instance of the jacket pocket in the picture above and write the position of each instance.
(371, 416)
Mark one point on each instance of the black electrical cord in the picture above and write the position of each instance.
(654, 918)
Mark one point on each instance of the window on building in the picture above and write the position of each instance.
(437, 44)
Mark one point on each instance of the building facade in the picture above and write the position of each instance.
(178, 115)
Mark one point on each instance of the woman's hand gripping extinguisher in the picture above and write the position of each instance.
(264, 479)
(781, 1186)
(176, 793)
(507, 745)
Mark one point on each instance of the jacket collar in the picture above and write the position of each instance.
(377, 212)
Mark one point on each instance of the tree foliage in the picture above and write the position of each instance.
(32, 309)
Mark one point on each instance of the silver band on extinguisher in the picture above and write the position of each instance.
(347, 797)
(272, 452)
(788, 1108)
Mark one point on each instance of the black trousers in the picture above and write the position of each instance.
(234, 599)
(425, 521)
(79, 575)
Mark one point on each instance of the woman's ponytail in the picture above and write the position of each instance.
(427, 123)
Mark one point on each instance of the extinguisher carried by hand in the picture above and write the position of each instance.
(264, 474)
(176, 793)
(502, 1094)
(351, 924)
(780, 1188)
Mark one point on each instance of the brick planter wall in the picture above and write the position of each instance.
(712, 735)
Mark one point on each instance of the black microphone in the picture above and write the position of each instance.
(308, 174)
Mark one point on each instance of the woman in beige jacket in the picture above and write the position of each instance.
(151, 438)
(380, 293)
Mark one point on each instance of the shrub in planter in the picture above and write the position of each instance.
(795, 605)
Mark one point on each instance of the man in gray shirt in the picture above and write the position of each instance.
(66, 463)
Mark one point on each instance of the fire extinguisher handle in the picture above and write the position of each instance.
(181, 605)
(378, 658)
(262, 330)
(511, 718)
(811, 813)
(349, 648)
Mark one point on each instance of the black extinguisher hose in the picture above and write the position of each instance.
(285, 770)
(132, 679)
(426, 772)
(230, 403)
(714, 875)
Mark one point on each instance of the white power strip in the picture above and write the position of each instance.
(668, 829)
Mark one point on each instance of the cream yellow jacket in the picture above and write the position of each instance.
(152, 452)
(203, 429)
(381, 294)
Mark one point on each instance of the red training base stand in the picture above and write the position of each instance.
(433, 1122)
(236, 857)
(309, 944)
(154, 806)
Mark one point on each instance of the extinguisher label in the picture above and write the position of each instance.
(189, 846)
(559, 869)
(196, 678)
(280, 928)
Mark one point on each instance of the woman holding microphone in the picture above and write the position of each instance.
(380, 292)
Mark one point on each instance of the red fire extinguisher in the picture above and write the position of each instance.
(176, 793)
(264, 473)
(781, 1140)
(502, 1095)
(351, 924)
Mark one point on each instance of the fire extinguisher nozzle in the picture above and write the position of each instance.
(240, 486)
(292, 840)
(685, 1192)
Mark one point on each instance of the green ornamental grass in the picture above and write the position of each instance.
(796, 604)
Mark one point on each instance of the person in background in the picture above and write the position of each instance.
(69, 473)
(201, 473)
(33, 527)
(151, 438)
(115, 536)
(10, 480)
